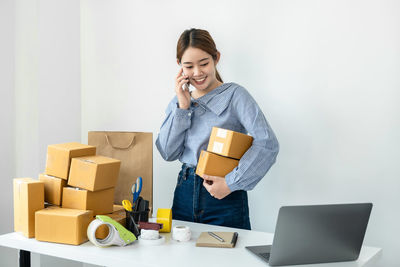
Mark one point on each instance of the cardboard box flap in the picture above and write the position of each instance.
(71, 146)
(26, 180)
(98, 159)
(63, 211)
(118, 208)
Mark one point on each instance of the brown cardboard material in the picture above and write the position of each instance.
(118, 208)
(59, 225)
(53, 187)
(59, 157)
(100, 202)
(215, 165)
(102, 231)
(28, 198)
(229, 143)
(47, 205)
(94, 173)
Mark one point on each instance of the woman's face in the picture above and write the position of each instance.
(200, 67)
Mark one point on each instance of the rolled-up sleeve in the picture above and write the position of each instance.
(259, 158)
(170, 140)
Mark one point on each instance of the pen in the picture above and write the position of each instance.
(216, 236)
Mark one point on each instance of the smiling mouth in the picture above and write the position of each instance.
(200, 81)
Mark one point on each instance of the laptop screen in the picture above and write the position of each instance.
(316, 234)
(319, 233)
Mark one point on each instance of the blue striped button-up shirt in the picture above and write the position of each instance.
(185, 132)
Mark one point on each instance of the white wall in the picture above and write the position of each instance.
(326, 74)
(47, 87)
(7, 113)
(59, 94)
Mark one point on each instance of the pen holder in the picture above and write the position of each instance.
(138, 216)
(133, 218)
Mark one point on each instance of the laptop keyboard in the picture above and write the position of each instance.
(265, 255)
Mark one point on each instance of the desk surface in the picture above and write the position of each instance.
(171, 253)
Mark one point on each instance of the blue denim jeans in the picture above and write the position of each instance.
(193, 203)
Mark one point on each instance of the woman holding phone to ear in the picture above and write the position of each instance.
(186, 129)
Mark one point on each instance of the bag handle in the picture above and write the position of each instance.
(116, 147)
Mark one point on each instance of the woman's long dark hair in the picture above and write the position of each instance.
(198, 39)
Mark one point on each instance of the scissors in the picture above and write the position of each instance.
(127, 205)
(136, 189)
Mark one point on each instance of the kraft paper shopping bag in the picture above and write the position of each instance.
(135, 151)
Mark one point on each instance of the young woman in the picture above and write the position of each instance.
(187, 127)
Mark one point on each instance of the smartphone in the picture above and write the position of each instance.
(186, 85)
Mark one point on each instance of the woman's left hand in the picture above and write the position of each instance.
(216, 186)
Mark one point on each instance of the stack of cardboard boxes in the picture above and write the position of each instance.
(77, 184)
(224, 151)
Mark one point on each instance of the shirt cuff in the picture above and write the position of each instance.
(183, 117)
(179, 112)
(230, 181)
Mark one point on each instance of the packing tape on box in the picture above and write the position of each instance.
(164, 216)
(118, 235)
(222, 133)
(218, 147)
(181, 233)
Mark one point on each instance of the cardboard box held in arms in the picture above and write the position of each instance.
(229, 143)
(215, 165)
(224, 150)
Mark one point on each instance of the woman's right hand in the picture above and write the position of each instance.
(183, 95)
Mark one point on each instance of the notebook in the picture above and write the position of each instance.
(206, 240)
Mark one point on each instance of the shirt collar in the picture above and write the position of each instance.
(218, 99)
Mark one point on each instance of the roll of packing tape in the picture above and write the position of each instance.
(164, 216)
(119, 237)
(181, 233)
(108, 241)
(152, 242)
(149, 234)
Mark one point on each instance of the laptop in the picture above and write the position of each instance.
(316, 234)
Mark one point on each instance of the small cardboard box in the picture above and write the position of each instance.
(100, 202)
(59, 157)
(53, 187)
(229, 143)
(102, 231)
(118, 208)
(28, 198)
(59, 225)
(215, 165)
(94, 172)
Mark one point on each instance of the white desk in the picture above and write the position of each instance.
(172, 253)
